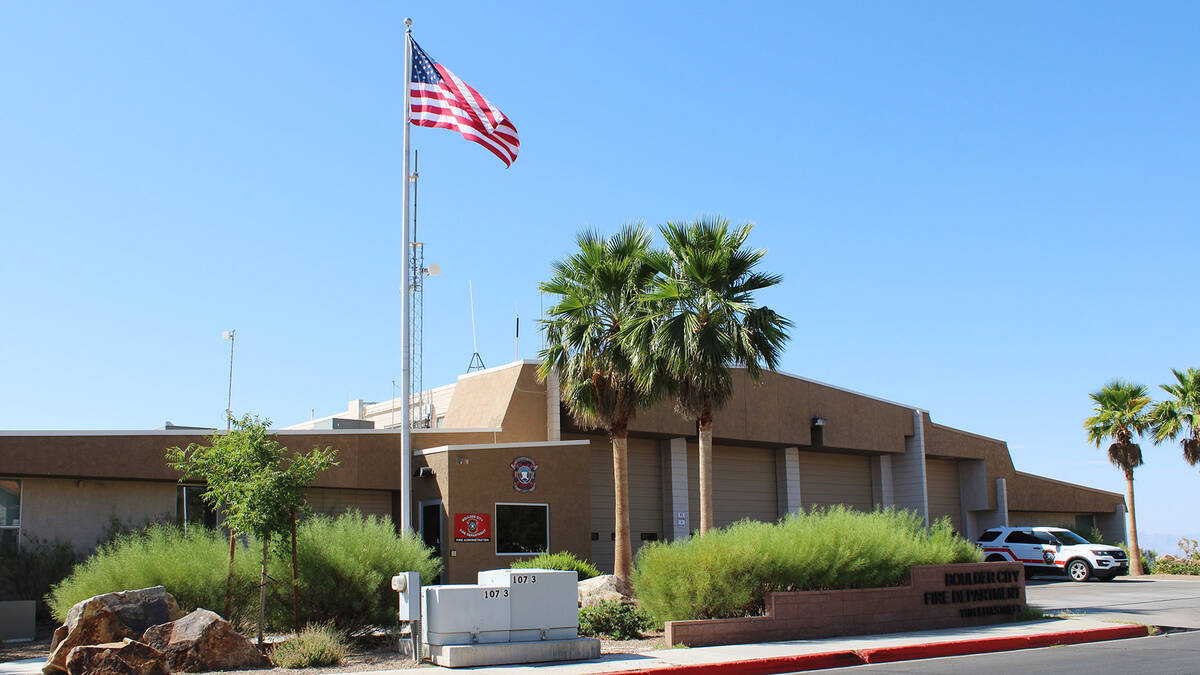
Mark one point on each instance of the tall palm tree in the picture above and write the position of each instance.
(704, 322)
(599, 289)
(1180, 415)
(1120, 414)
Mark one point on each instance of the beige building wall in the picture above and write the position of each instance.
(78, 511)
(827, 479)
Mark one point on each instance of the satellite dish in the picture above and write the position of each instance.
(434, 269)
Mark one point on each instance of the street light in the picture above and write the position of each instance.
(228, 335)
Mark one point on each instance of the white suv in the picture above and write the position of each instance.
(1053, 550)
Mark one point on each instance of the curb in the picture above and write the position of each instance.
(841, 659)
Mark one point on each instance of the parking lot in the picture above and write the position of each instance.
(1153, 600)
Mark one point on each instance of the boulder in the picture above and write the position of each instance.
(604, 588)
(203, 641)
(126, 657)
(109, 618)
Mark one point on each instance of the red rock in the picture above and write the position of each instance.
(203, 641)
(126, 657)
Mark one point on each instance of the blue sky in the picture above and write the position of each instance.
(984, 211)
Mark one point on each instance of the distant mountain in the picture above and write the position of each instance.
(1163, 544)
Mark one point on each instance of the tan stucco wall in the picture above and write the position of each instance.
(78, 511)
(481, 478)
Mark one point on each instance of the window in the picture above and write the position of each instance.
(522, 528)
(1045, 538)
(1019, 537)
(10, 515)
(190, 507)
(990, 535)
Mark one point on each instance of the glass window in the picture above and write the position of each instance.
(10, 514)
(1045, 538)
(1019, 537)
(191, 509)
(522, 528)
(990, 535)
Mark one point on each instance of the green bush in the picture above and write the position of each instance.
(615, 620)
(346, 567)
(192, 566)
(1187, 563)
(316, 646)
(729, 571)
(30, 572)
(562, 560)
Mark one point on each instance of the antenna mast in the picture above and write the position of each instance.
(415, 396)
(476, 360)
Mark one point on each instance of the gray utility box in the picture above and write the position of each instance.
(464, 614)
(543, 604)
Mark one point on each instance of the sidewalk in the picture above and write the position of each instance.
(780, 657)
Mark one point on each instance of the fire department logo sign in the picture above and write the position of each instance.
(524, 469)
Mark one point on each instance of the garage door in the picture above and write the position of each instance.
(743, 485)
(645, 497)
(941, 477)
(827, 479)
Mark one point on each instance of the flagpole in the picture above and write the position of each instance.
(406, 451)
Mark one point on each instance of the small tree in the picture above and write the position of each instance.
(258, 483)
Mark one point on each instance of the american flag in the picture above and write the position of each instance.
(439, 99)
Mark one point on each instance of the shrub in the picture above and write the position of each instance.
(346, 569)
(315, 646)
(729, 571)
(615, 620)
(192, 566)
(562, 560)
(1187, 563)
(30, 572)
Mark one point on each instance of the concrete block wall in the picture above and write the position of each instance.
(908, 472)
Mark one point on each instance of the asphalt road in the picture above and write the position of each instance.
(1155, 601)
(1168, 654)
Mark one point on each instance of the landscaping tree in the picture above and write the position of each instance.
(1180, 414)
(1120, 414)
(704, 322)
(599, 288)
(258, 484)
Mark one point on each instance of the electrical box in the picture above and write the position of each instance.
(543, 604)
(408, 585)
(463, 614)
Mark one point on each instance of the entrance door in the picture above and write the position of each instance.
(431, 531)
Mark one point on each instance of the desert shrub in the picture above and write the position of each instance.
(1186, 563)
(615, 620)
(192, 566)
(346, 568)
(729, 571)
(30, 572)
(316, 646)
(562, 560)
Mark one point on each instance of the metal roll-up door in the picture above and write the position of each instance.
(743, 485)
(827, 479)
(941, 480)
(645, 497)
(331, 501)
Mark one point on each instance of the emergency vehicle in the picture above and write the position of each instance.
(1053, 550)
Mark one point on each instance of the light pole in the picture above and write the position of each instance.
(229, 335)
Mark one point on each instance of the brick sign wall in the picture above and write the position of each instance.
(940, 596)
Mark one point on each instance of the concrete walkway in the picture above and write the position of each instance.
(784, 656)
(760, 657)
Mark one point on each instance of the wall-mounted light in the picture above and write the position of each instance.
(425, 472)
(818, 421)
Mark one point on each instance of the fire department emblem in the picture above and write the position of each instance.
(523, 469)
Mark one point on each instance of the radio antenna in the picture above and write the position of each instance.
(476, 360)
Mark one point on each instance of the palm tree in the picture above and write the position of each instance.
(599, 289)
(1120, 414)
(1180, 415)
(704, 322)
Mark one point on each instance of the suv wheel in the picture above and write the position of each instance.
(1079, 570)
(995, 557)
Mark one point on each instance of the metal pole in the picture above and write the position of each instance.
(405, 301)
(229, 401)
